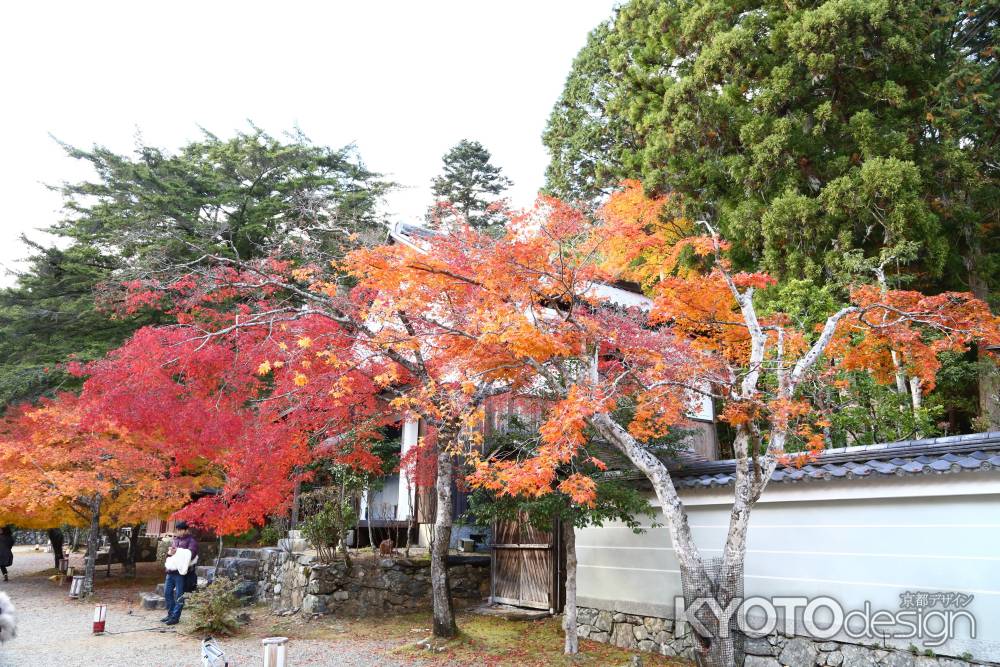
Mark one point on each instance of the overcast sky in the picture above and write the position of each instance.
(402, 80)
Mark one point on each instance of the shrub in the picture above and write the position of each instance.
(325, 527)
(270, 534)
(211, 608)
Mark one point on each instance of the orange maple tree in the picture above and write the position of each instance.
(66, 463)
(546, 293)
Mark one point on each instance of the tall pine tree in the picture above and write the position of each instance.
(469, 186)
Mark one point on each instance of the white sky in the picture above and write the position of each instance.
(403, 80)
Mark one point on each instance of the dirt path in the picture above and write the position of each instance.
(54, 631)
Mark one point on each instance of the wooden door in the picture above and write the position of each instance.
(527, 567)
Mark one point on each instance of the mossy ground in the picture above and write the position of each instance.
(483, 640)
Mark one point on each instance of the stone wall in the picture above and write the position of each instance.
(293, 582)
(645, 633)
(207, 551)
(656, 635)
(31, 537)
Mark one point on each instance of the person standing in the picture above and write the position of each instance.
(6, 550)
(56, 540)
(182, 554)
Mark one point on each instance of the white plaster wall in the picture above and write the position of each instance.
(411, 433)
(385, 500)
(853, 540)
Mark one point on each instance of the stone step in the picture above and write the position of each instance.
(152, 601)
(159, 589)
(296, 545)
(246, 590)
(206, 572)
(236, 552)
(244, 567)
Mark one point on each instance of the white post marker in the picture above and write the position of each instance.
(212, 655)
(275, 651)
(76, 587)
(100, 616)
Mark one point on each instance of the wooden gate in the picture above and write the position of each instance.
(528, 566)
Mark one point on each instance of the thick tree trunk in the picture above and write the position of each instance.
(572, 644)
(133, 545)
(989, 374)
(444, 615)
(93, 541)
(722, 646)
(127, 556)
(989, 393)
(56, 540)
(657, 473)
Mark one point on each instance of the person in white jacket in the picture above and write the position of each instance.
(182, 555)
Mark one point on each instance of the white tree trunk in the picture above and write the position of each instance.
(900, 375)
(572, 644)
(663, 486)
(711, 650)
(916, 400)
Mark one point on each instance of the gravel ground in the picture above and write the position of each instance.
(56, 631)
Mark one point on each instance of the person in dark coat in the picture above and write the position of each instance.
(6, 550)
(56, 540)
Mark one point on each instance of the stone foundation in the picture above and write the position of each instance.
(293, 582)
(656, 635)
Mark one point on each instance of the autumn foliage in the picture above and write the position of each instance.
(273, 364)
(58, 456)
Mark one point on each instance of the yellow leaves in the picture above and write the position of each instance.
(264, 368)
(304, 274)
(474, 418)
(305, 342)
(300, 380)
(387, 378)
(341, 387)
(638, 238)
(283, 346)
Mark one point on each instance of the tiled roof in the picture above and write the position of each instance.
(951, 454)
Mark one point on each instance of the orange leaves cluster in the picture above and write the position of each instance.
(59, 455)
(562, 442)
(638, 237)
(915, 326)
(581, 489)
